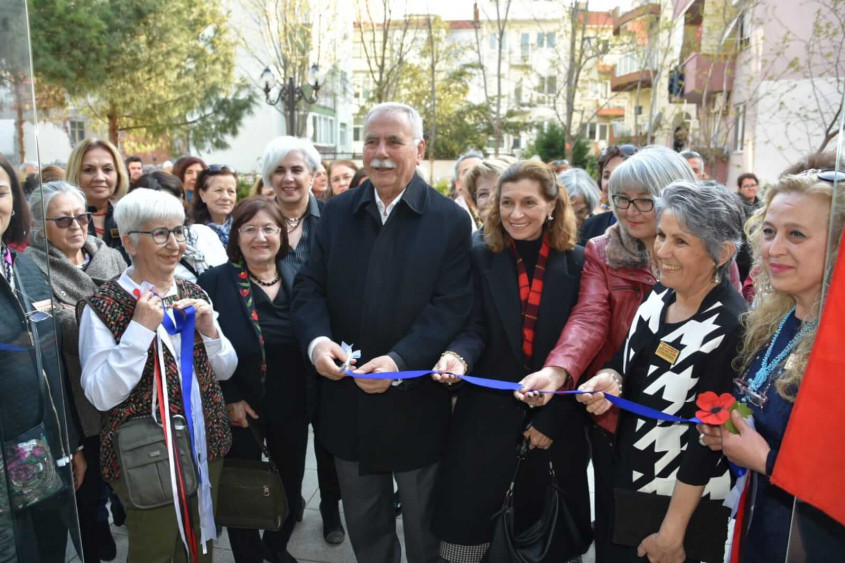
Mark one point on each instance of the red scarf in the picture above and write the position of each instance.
(530, 297)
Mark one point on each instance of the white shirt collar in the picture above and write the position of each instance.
(127, 283)
(384, 212)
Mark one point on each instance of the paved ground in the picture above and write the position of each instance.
(307, 543)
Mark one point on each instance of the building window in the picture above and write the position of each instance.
(494, 41)
(739, 127)
(323, 131)
(605, 89)
(743, 27)
(356, 133)
(638, 110)
(545, 40)
(344, 135)
(517, 92)
(603, 129)
(76, 130)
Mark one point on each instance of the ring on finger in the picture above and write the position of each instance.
(701, 439)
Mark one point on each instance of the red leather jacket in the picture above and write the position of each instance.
(598, 325)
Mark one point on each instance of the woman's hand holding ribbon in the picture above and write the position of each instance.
(450, 363)
(376, 365)
(746, 449)
(204, 316)
(605, 381)
(148, 311)
(548, 379)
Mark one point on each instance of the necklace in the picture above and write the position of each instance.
(270, 283)
(767, 366)
(293, 223)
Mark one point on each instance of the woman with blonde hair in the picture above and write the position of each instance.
(789, 236)
(526, 277)
(95, 166)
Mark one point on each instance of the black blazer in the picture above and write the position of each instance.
(491, 342)
(595, 226)
(221, 284)
(403, 289)
(487, 424)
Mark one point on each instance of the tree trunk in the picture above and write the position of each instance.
(114, 131)
(17, 87)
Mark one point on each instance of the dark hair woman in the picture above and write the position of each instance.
(37, 428)
(613, 156)
(529, 262)
(188, 169)
(217, 193)
(268, 389)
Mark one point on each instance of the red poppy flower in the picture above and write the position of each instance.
(244, 292)
(715, 409)
(254, 316)
(243, 275)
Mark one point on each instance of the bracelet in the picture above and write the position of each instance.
(618, 379)
(457, 357)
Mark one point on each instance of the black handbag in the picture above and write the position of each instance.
(250, 494)
(555, 528)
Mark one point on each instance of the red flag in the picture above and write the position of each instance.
(811, 462)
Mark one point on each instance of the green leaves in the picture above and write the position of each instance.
(150, 67)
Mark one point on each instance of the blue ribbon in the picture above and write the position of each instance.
(624, 404)
(184, 325)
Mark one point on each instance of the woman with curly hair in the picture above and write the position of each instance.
(789, 237)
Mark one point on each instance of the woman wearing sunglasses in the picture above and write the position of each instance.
(78, 263)
(123, 343)
(217, 193)
(789, 237)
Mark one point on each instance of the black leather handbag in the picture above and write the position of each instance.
(555, 527)
(250, 493)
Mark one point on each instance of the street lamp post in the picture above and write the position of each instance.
(289, 94)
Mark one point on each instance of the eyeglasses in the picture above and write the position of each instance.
(641, 204)
(252, 231)
(831, 176)
(625, 151)
(162, 234)
(217, 169)
(67, 221)
(757, 398)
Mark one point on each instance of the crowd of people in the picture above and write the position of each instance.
(648, 282)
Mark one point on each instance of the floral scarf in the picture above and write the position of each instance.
(245, 289)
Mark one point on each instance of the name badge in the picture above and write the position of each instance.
(668, 353)
(114, 233)
(790, 361)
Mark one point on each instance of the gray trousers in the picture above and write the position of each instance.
(371, 522)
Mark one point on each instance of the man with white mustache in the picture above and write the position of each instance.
(389, 272)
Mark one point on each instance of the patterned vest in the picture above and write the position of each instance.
(115, 307)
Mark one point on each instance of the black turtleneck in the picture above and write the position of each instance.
(529, 251)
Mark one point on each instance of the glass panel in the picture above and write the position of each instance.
(38, 521)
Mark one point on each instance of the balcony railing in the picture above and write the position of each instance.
(708, 73)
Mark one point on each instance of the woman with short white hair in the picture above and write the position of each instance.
(78, 263)
(289, 166)
(125, 348)
(583, 193)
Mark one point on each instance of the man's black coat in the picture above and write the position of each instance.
(403, 289)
